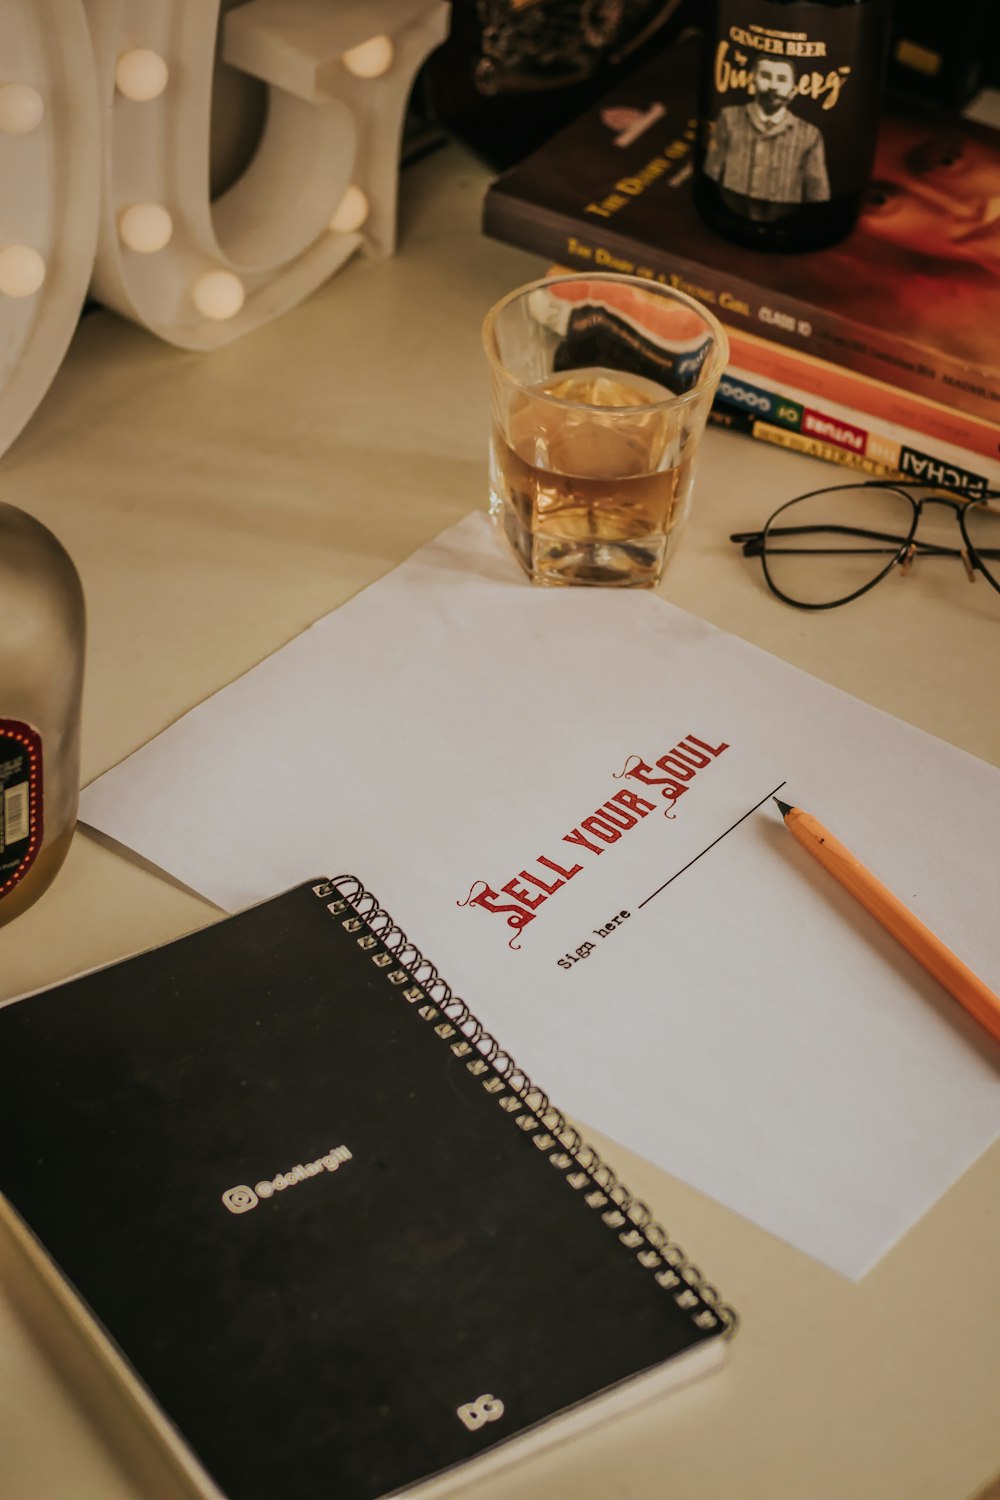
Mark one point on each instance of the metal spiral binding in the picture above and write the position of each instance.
(580, 1162)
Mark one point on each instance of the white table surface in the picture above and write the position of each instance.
(215, 506)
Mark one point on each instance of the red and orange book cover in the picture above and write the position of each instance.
(911, 299)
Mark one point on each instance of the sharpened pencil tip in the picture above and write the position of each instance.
(783, 807)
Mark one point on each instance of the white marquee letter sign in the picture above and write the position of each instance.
(201, 273)
(49, 186)
(120, 155)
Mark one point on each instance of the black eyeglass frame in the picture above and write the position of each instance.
(754, 543)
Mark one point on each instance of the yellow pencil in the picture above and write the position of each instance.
(918, 940)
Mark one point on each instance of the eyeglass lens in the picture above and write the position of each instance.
(824, 548)
(982, 527)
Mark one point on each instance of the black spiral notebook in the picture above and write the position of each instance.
(334, 1240)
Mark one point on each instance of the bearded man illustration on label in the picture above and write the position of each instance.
(762, 150)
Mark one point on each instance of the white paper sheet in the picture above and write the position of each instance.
(748, 1027)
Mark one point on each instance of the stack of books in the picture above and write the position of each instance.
(879, 354)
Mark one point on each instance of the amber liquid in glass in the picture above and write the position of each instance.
(590, 492)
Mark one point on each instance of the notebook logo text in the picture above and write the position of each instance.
(241, 1199)
(484, 1409)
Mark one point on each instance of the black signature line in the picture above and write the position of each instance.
(712, 845)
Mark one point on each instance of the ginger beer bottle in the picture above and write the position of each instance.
(789, 119)
(42, 637)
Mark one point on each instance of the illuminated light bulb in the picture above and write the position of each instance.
(21, 108)
(370, 59)
(145, 227)
(218, 295)
(141, 74)
(22, 271)
(352, 211)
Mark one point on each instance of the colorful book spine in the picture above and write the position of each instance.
(796, 420)
(884, 406)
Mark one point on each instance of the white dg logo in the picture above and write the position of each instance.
(483, 1409)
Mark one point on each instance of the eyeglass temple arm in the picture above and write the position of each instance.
(752, 542)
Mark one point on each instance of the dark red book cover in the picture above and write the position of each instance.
(912, 297)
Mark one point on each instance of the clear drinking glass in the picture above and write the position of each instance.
(601, 387)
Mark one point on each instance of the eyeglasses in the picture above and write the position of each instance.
(832, 545)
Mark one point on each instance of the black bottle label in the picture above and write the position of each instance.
(792, 102)
(20, 800)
